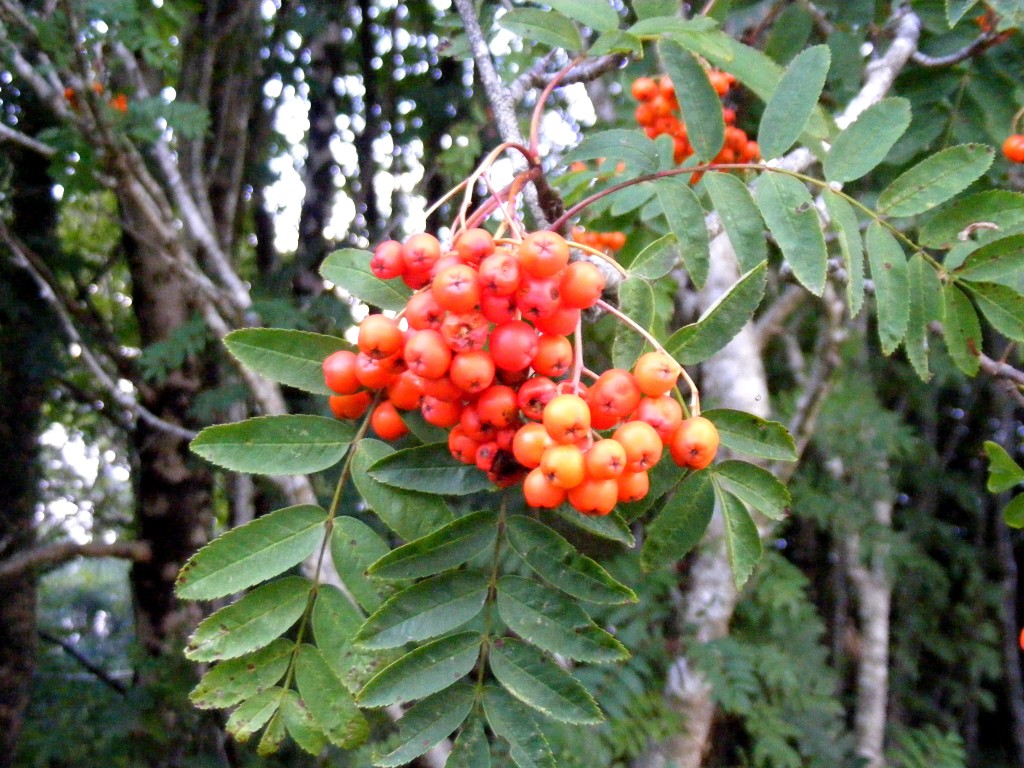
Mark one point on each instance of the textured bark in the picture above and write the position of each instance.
(1011, 629)
(733, 378)
(27, 354)
(325, 66)
(173, 489)
(873, 590)
(19, 422)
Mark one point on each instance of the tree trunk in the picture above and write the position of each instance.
(28, 356)
(1010, 647)
(873, 588)
(19, 428)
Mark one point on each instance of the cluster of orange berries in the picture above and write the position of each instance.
(482, 349)
(118, 102)
(601, 241)
(656, 115)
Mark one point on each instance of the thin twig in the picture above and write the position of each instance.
(94, 669)
(976, 47)
(17, 137)
(123, 399)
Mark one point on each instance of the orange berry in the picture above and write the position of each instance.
(581, 285)
(567, 418)
(606, 459)
(642, 443)
(633, 486)
(644, 88)
(379, 337)
(543, 253)
(695, 443)
(595, 497)
(1013, 148)
(656, 373)
(563, 466)
(350, 406)
(529, 444)
(541, 492)
(387, 423)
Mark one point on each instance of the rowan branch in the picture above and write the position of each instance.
(17, 137)
(94, 669)
(48, 556)
(123, 399)
(584, 72)
(500, 100)
(976, 47)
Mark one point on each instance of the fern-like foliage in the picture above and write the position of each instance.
(927, 747)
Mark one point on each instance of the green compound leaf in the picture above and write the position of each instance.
(545, 27)
(273, 736)
(1003, 472)
(793, 101)
(536, 680)
(1003, 307)
(618, 145)
(700, 104)
(335, 623)
(740, 218)
(742, 541)
(892, 290)
(935, 180)
(752, 435)
(427, 609)
(429, 469)
(301, 726)
(551, 621)
(720, 323)
(793, 220)
(961, 330)
(254, 621)
(470, 749)
(254, 713)
(1001, 208)
(1013, 513)
(681, 522)
(957, 9)
(431, 720)
(657, 259)
(600, 17)
(252, 553)
(864, 144)
(276, 445)
(328, 700)
(997, 261)
(409, 513)
(636, 299)
(557, 562)
(293, 358)
(610, 526)
(426, 670)
(354, 547)
(925, 308)
(756, 486)
(516, 724)
(446, 548)
(686, 221)
(349, 269)
(616, 42)
(844, 224)
(238, 679)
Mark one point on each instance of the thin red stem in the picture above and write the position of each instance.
(561, 221)
(538, 110)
